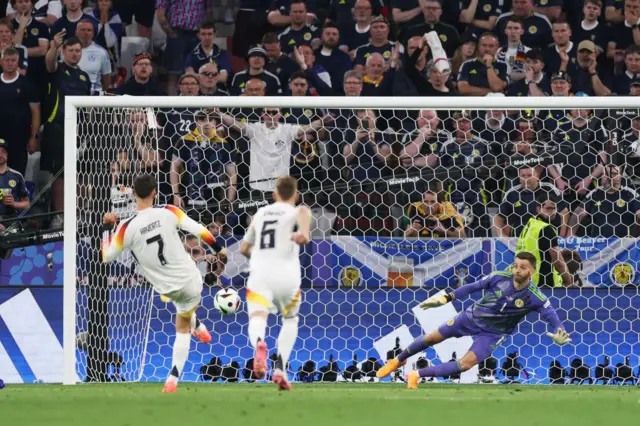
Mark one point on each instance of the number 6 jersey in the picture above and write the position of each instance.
(153, 239)
(270, 234)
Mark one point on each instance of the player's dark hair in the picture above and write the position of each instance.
(545, 196)
(10, 51)
(525, 255)
(7, 22)
(561, 22)
(330, 24)
(207, 25)
(270, 38)
(516, 19)
(71, 41)
(144, 185)
(298, 74)
(286, 187)
(534, 55)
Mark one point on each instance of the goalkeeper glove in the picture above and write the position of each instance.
(560, 338)
(434, 302)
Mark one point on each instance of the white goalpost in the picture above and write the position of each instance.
(364, 173)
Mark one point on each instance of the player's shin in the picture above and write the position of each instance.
(180, 354)
(418, 345)
(443, 370)
(287, 338)
(257, 329)
(196, 324)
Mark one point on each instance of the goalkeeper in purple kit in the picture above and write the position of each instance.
(508, 298)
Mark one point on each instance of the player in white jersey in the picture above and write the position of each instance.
(152, 237)
(272, 245)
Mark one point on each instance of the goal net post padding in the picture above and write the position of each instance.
(362, 277)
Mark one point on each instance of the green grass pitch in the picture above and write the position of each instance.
(318, 405)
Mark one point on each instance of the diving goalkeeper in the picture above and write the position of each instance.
(508, 298)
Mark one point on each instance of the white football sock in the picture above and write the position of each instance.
(257, 330)
(180, 355)
(287, 338)
(196, 324)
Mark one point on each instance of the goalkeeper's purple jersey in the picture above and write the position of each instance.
(502, 307)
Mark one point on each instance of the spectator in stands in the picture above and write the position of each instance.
(255, 87)
(318, 78)
(180, 21)
(415, 64)
(280, 15)
(19, 112)
(484, 74)
(479, 15)
(629, 154)
(299, 32)
(587, 76)
(513, 53)
(110, 26)
(519, 205)
(461, 150)
(66, 79)
(465, 52)
(581, 143)
(574, 266)
(270, 146)
(433, 217)
(625, 33)
(621, 82)
(422, 145)
(278, 64)
(209, 165)
(257, 58)
(408, 13)
(379, 43)
(329, 56)
(13, 190)
(590, 28)
(377, 81)
(207, 51)
(353, 36)
(71, 14)
(367, 150)
(536, 82)
(46, 11)
(561, 51)
(142, 10)
(189, 85)
(612, 210)
(95, 59)
(208, 75)
(352, 83)
(6, 41)
(449, 36)
(34, 35)
(141, 83)
(537, 27)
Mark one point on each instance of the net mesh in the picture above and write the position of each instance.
(405, 203)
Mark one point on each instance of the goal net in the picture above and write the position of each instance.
(410, 197)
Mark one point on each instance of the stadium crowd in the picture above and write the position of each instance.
(456, 170)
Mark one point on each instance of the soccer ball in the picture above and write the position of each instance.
(227, 301)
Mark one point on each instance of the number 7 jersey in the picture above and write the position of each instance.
(153, 239)
(270, 234)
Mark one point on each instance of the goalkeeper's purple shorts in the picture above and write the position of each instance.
(484, 342)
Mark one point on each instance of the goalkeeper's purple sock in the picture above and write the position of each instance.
(418, 345)
(443, 370)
